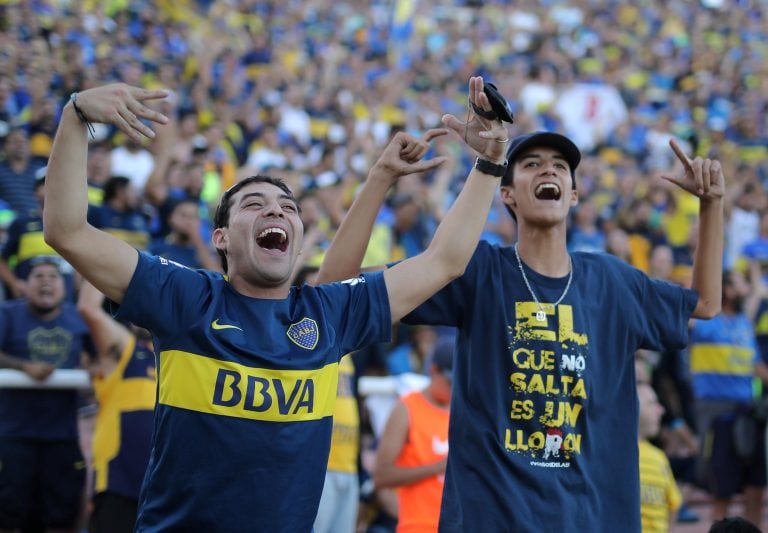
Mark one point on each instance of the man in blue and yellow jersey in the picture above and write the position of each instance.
(248, 365)
(120, 213)
(24, 243)
(125, 384)
(724, 361)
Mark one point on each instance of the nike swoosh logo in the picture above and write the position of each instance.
(215, 325)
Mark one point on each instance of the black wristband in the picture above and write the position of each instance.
(492, 169)
(81, 116)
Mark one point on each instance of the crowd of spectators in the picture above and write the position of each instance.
(311, 91)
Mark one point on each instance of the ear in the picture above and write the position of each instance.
(220, 238)
(574, 198)
(507, 195)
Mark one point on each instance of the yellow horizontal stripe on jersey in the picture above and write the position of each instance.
(722, 359)
(223, 388)
(32, 244)
(137, 239)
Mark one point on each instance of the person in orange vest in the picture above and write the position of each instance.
(413, 450)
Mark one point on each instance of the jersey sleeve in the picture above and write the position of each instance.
(163, 296)
(358, 309)
(662, 313)
(448, 306)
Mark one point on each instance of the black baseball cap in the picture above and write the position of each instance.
(561, 143)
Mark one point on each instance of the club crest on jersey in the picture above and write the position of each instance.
(304, 333)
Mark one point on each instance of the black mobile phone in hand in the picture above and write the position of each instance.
(500, 109)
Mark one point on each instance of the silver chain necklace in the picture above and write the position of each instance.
(541, 315)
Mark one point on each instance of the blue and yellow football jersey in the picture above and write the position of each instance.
(246, 392)
(123, 430)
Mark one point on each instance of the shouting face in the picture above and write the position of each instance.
(541, 192)
(263, 236)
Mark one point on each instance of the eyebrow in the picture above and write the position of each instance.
(535, 155)
(281, 196)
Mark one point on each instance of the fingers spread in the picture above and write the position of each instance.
(146, 94)
(151, 114)
(133, 126)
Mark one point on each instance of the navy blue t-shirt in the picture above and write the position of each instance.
(44, 414)
(246, 391)
(543, 428)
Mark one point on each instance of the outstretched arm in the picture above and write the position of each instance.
(412, 281)
(704, 178)
(402, 156)
(104, 260)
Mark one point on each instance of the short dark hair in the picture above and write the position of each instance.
(114, 185)
(53, 260)
(221, 218)
(173, 204)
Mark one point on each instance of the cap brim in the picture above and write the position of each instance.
(559, 142)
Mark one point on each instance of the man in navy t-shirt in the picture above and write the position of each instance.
(43, 470)
(543, 429)
(248, 365)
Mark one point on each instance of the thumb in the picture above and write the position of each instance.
(453, 123)
(672, 179)
(424, 165)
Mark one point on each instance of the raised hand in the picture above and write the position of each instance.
(403, 155)
(701, 177)
(123, 106)
(487, 137)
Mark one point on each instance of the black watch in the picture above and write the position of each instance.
(492, 169)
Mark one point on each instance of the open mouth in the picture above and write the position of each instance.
(45, 291)
(547, 191)
(273, 239)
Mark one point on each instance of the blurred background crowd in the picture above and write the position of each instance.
(312, 90)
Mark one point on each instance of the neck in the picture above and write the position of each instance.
(255, 290)
(544, 252)
(45, 313)
(18, 164)
(430, 396)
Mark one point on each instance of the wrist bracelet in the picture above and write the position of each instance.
(81, 115)
(492, 169)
